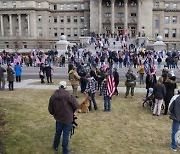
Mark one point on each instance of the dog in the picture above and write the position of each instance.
(84, 107)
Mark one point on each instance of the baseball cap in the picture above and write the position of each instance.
(62, 84)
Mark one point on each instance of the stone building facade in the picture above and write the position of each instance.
(39, 24)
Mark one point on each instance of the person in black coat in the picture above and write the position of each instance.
(170, 85)
(150, 81)
(116, 80)
(48, 71)
(41, 72)
(83, 82)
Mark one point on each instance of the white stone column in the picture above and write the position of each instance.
(2, 25)
(19, 22)
(100, 16)
(28, 22)
(112, 16)
(10, 24)
(125, 14)
(139, 16)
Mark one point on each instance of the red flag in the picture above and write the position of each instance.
(110, 84)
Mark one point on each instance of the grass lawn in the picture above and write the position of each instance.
(127, 129)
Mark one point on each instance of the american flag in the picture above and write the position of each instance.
(110, 83)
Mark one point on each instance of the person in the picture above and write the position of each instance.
(83, 82)
(41, 72)
(62, 106)
(18, 71)
(91, 90)
(159, 94)
(48, 71)
(141, 73)
(107, 99)
(2, 78)
(10, 77)
(116, 80)
(150, 80)
(174, 108)
(170, 85)
(74, 79)
(130, 83)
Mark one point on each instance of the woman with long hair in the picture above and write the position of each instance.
(159, 95)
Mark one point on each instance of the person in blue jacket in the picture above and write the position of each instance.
(18, 72)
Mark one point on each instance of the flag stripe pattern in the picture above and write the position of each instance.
(110, 84)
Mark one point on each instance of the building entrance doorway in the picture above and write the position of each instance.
(133, 31)
(120, 31)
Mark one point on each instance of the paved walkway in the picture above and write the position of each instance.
(28, 84)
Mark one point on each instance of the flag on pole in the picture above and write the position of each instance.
(110, 83)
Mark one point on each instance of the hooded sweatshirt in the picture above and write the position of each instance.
(62, 106)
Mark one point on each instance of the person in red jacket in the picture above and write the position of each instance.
(62, 106)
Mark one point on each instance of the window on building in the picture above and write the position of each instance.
(68, 6)
(39, 31)
(82, 7)
(62, 31)
(55, 6)
(4, 4)
(82, 19)
(75, 7)
(174, 5)
(107, 15)
(166, 32)
(133, 14)
(55, 19)
(25, 45)
(49, 19)
(61, 7)
(174, 33)
(39, 4)
(39, 18)
(62, 19)
(82, 32)
(75, 32)
(120, 15)
(23, 4)
(55, 32)
(14, 4)
(75, 19)
(156, 4)
(50, 32)
(17, 31)
(156, 22)
(108, 3)
(68, 32)
(68, 19)
(174, 20)
(174, 46)
(167, 20)
(167, 5)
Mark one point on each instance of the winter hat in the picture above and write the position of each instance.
(62, 84)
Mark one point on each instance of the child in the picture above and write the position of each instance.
(107, 103)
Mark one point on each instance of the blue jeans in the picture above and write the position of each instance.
(66, 129)
(175, 128)
(107, 104)
(92, 95)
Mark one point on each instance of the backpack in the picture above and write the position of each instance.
(130, 77)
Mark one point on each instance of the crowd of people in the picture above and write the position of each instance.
(92, 71)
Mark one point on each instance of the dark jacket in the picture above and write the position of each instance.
(150, 81)
(62, 106)
(116, 77)
(10, 74)
(159, 91)
(170, 87)
(2, 70)
(48, 70)
(174, 108)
